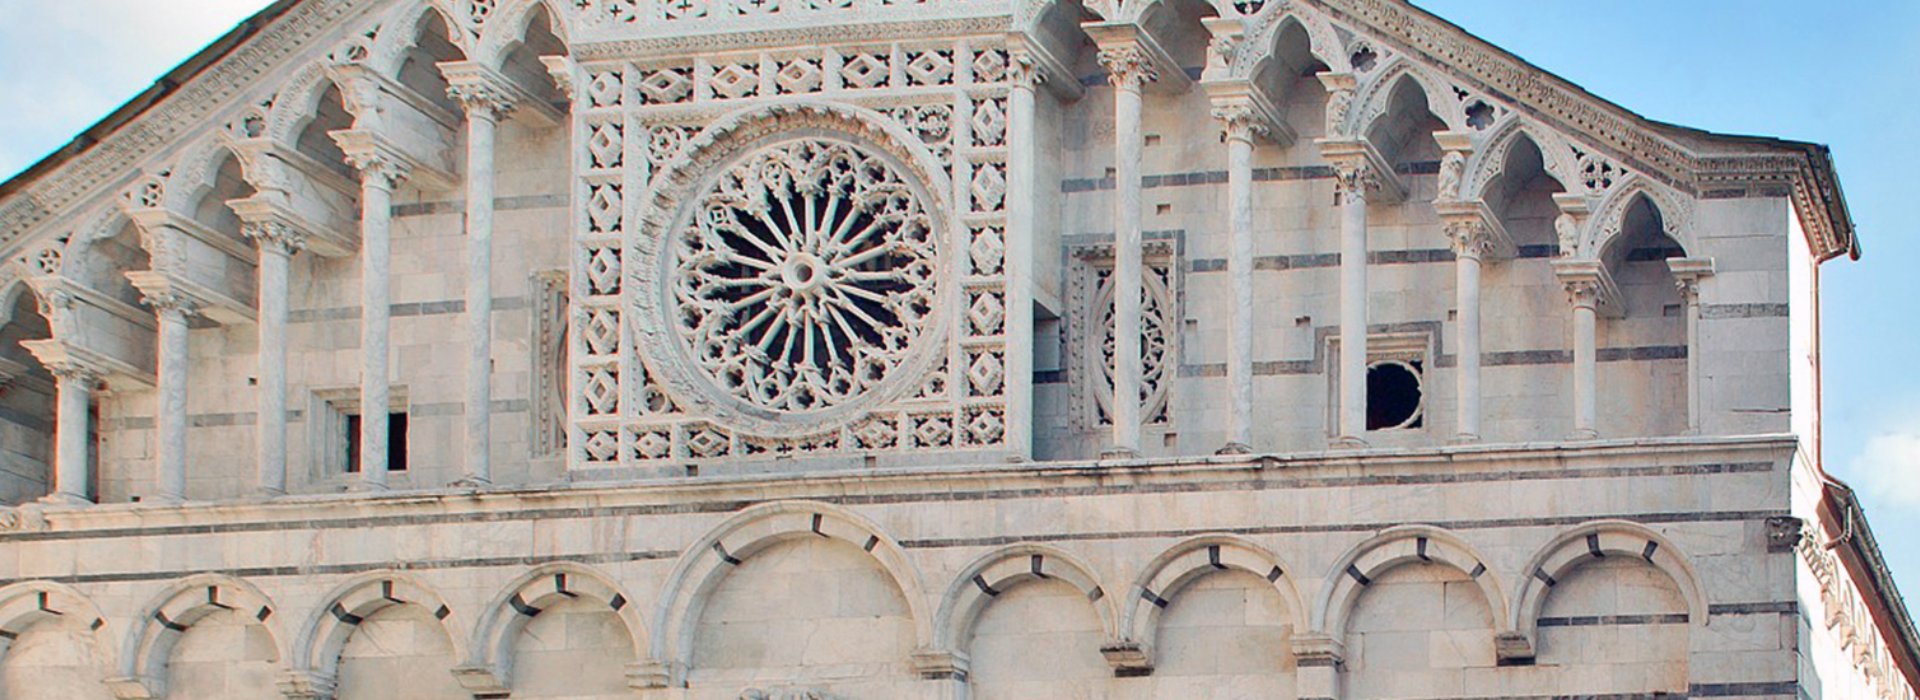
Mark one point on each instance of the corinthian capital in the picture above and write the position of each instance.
(1023, 70)
(1354, 179)
(482, 101)
(1241, 122)
(275, 237)
(1128, 67)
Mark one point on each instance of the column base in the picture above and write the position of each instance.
(471, 482)
(1348, 442)
(1584, 434)
(362, 486)
(1119, 452)
(1234, 448)
(64, 499)
(1465, 439)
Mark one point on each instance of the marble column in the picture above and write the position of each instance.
(170, 414)
(73, 385)
(277, 243)
(1129, 69)
(379, 175)
(485, 107)
(1470, 241)
(1241, 129)
(1584, 295)
(1022, 203)
(1687, 273)
(1353, 181)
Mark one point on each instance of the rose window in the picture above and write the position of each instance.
(804, 275)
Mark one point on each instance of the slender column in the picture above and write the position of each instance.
(378, 177)
(1690, 304)
(74, 385)
(1129, 69)
(172, 310)
(1241, 128)
(1469, 239)
(1022, 203)
(277, 242)
(1585, 297)
(1352, 182)
(484, 107)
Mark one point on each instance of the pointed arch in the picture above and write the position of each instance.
(28, 603)
(402, 28)
(1489, 161)
(1610, 218)
(1182, 564)
(712, 557)
(324, 635)
(528, 595)
(510, 24)
(1374, 99)
(997, 572)
(298, 103)
(1599, 540)
(1393, 547)
(149, 645)
(1322, 41)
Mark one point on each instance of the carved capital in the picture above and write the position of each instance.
(1469, 238)
(166, 303)
(72, 371)
(1241, 122)
(1687, 273)
(482, 101)
(1023, 70)
(1128, 67)
(1354, 179)
(275, 237)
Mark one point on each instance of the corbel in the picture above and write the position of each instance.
(1052, 73)
(1475, 218)
(265, 209)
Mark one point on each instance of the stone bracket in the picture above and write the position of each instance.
(1318, 650)
(1172, 79)
(1242, 93)
(155, 222)
(305, 685)
(1513, 648)
(363, 145)
(1499, 244)
(1358, 153)
(480, 681)
(647, 675)
(1574, 271)
(937, 664)
(525, 102)
(1128, 659)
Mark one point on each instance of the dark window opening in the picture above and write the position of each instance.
(1394, 395)
(396, 443)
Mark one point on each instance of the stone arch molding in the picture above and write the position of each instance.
(998, 571)
(671, 197)
(489, 665)
(1610, 217)
(298, 102)
(1172, 571)
(1263, 37)
(149, 644)
(713, 557)
(1392, 548)
(316, 652)
(508, 26)
(1596, 540)
(1374, 96)
(30, 603)
(1489, 161)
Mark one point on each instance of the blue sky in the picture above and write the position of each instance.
(1838, 73)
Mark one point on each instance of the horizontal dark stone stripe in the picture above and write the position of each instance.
(1755, 192)
(1412, 256)
(1488, 359)
(459, 206)
(1598, 620)
(198, 420)
(1780, 606)
(456, 408)
(422, 308)
(1720, 311)
(1721, 690)
(1050, 376)
(659, 554)
(1219, 177)
(1098, 488)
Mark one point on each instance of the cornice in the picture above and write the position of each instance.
(994, 23)
(104, 161)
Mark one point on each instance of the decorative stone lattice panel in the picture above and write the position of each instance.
(756, 278)
(1089, 336)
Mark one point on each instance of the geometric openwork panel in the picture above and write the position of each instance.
(790, 253)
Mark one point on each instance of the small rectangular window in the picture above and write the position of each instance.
(396, 442)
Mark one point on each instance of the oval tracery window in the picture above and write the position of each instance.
(804, 275)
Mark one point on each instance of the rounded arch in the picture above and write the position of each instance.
(323, 637)
(1490, 160)
(28, 603)
(1186, 562)
(531, 593)
(161, 624)
(1610, 218)
(709, 559)
(510, 24)
(1000, 570)
(1598, 540)
(1404, 544)
(1374, 99)
(1323, 43)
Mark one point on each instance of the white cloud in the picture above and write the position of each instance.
(1887, 470)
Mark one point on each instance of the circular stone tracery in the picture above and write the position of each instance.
(804, 275)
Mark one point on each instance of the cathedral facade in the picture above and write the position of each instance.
(874, 349)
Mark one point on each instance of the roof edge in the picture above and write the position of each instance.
(1859, 540)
